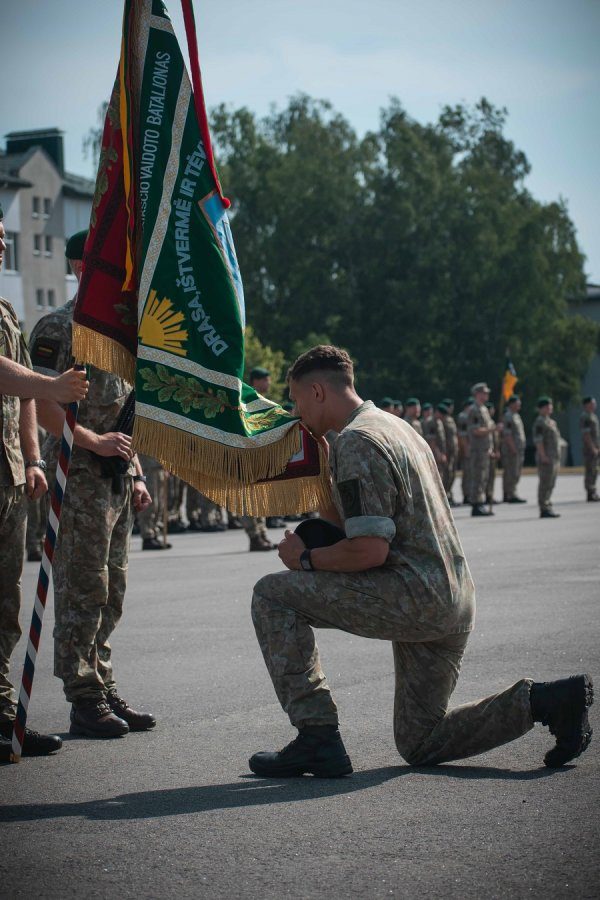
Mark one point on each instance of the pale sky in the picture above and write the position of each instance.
(539, 58)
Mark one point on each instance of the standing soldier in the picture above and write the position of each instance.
(151, 519)
(412, 412)
(463, 449)
(546, 438)
(480, 428)
(512, 449)
(434, 434)
(590, 433)
(256, 526)
(494, 456)
(451, 434)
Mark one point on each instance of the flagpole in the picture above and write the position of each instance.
(41, 595)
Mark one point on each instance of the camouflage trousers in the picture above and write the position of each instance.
(547, 473)
(491, 482)
(286, 605)
(13, 513)
(90, 576)
(466, 478)
(152, 517)
(512, 464)
(255, 527)
(479, 466)
(449, 475)
(202, 512)
(591, 471)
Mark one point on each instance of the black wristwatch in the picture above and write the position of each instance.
(306, 561)
(140, 478)
(37, 464)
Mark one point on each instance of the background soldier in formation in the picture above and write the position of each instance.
(91, 555)
(494, 456)
(480, 428)
(462, 428)
(446, 407)
(590, 436)
(546, 438)
(434, 434)
(412, 411)
(512, 449)
(151, 519)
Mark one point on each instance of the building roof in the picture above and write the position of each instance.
(12, 163)
(78, 186)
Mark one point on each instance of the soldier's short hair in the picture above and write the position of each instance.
(333, 362)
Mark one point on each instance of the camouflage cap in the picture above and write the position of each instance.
(480, 386)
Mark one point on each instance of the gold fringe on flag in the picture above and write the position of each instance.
(229, 475)
(103, 352)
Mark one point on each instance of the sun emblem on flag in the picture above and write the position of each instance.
(160, 326)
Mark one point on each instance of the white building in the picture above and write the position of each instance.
(43, 205)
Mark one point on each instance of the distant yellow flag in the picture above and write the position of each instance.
(509, 380)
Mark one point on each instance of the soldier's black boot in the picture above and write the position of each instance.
(137, 721)
(593, 497)
(480, 510)
(562, 706)
(549, 513)
(96, 719)
(318, 750)
(34, 743)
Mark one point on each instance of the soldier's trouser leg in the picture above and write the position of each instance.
(13, 513)
(509, 474)
(591, 472)
(255, 526)
(547, 479)
(426, 733)
(466, 478)
(479, 466)
(90, 514)
(118, 557)
(149, 517)
(450, 475)
(286, 605)
(491, 481)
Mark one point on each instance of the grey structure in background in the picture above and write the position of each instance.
(42, 205)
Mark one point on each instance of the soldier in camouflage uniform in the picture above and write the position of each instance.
(397, 572)
(451, 435)
(494, 456)
(590, 436)
(21, 476)
(512, 449)
(434, 434)
(463, 449)
(480, 429)
(90, 559)
(412, 412)
(546, 438)
(150, 519)
(256, 526)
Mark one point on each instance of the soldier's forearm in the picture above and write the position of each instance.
(28, 433)
(51, 416)
(19, 381)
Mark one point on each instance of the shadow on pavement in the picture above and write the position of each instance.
(248, 791)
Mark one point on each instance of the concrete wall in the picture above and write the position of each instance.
(11, 282)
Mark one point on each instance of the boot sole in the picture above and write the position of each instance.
(86, 732)
(558, 757)
(338, 770)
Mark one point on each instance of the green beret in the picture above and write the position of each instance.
(427, 406)
(588, 399)
(448, 401)
(513, 398)
(544, 400)
(386, 401)
(75, 245)
(442, 407)
(1, 212)
(467, 402)
(412, 401)
(398, 403)
(259, 372)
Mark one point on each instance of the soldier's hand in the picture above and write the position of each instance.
(114, 443)
(35, 482)
(70, 387)
(141, 496)
(290, 549)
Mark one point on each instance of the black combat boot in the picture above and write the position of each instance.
(593, 497)
(34, 743)
(153, 543)
(549, 513)
(96, 719)
(516, 499)
(318, 750)
(562, 706)
(480, 510)
(137, 721)
(260, 544)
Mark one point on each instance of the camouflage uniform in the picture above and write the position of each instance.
(151, 518)
(589, 424)
(255, 527)
(386, 484)
(463, 438)
(90, 560)
(479, 451)
(546, 433)
(451, 435)
(13, 510)
(434, 434)
(415, 423)
(512, 463)
(491, 482)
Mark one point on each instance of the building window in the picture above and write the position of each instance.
(39, 298)
(11, 254)
(36, 208)
(47, 245)
(37, 244)
(51, 298)
(47, 207)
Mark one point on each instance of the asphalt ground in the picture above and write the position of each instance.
(175, 813)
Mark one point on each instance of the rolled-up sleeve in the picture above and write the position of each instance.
(364, 489)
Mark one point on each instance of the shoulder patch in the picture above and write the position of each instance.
(44, 353)
(350, 496)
